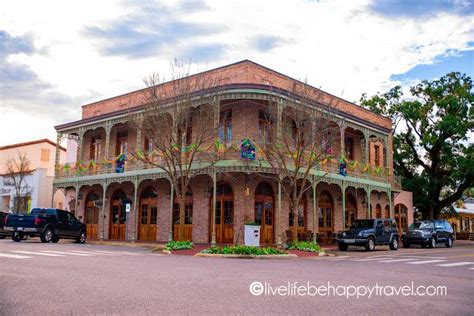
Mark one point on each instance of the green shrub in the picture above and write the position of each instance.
(244, 250)
(304, 245)
(179, 245)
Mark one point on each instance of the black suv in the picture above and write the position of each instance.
(428, 234)
(368, 233)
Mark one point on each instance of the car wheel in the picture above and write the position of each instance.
(47, 235)
(82, 238)
(17, 237)
(55, 239)
(406, 244)
(2, 237)
(343, 247)
(449, 243)
(370, 245)
(394, 244)
(432, 243)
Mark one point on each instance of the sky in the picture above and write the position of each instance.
(56, 56)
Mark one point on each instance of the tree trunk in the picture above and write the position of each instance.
(294, 210)
(182, 207)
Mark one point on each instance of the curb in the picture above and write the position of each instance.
(233, 256)
(143, 245)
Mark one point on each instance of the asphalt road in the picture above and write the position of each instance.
(67, 278)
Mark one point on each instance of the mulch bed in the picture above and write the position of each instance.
(198, 248)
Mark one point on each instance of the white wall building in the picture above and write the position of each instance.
(39, 184)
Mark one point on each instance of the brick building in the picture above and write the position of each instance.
(101, 198)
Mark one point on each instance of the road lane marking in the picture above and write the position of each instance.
(341, 257)
(372, 259)
(396, 260)
(38, 253)
(67, 253)
(424, 262)
(454, 264)
(422, 257)
(119, 252)
(91, 253)
(14, 256)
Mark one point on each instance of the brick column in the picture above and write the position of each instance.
(102, 213)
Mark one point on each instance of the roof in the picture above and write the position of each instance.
(33, 142)
(244, 73)
(468, 207)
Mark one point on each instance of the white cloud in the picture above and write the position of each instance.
(338, 45)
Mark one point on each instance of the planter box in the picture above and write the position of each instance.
(252, 235)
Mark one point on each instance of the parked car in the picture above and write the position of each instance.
(50, 224)
(3, 233)
(369, 233)
(429, 234)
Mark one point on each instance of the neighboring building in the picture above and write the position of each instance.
(463, 224)
(97, 194)
(39, 184)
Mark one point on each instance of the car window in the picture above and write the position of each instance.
(426, 225)
(70, 217)
(62, 216)
(379, 224)
(438, 225)
(394, 224)
(363, 223)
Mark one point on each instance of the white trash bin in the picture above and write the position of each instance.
(252, 235)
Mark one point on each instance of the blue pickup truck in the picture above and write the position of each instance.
(50, 224)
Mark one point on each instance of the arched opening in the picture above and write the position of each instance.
(378, 211)
(264, 212)
(325, 214)
(118, 218)
(387, 211)
(351, 209)
(148, 214)
(188, 217)
(401, 213)
(91, 214)
(224, 214)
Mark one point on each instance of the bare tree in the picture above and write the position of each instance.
(294, 148)
(17, 170)
(179, 123)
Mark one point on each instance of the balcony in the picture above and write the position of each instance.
(330, 166)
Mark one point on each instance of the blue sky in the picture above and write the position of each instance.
(461, 62)
(52, 61)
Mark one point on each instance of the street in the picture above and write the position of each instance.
(68, 278)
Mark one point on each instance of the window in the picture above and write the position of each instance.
(185, 131)
(188, 213)
(122, 143)
(45, 154)
(95, 148)
(148, 148)
(264, 124)
(300, 216)
(377, 155)
(349, 148)
(225, 127)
